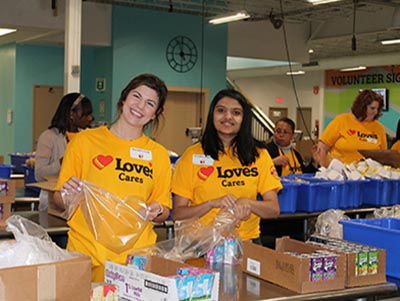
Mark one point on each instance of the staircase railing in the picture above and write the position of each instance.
(262, 126)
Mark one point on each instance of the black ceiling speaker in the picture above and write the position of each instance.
(276, 22)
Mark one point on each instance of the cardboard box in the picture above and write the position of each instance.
(62, 281)
(7, 198)
(151, 283)
(354, 280)
(49, 185)
(286, 270)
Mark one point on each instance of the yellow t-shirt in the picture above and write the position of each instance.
(294, 167)
(345, 135)
(140, 167)
(396, 145)
(200, 179)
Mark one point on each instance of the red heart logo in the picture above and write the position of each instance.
(204, 172)
(351, 132)
(101, 161)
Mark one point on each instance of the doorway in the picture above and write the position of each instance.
(277, 113)
(184, 108)
(45, 103)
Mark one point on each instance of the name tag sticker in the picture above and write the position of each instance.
(142, 154)
(202, 160)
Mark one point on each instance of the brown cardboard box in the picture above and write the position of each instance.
(353, 280)
(6, 200)
(49, 185)
(287, 270)
(62, 281)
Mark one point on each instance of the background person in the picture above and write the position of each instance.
(286, 158)
(358, 129)
(73, 114)
(227, 168)
(96, 155)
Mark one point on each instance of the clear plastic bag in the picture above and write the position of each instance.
(328, 223)
(194, 239)
(32, 245)
(115, 223)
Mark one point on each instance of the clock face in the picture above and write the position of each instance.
(181, 54)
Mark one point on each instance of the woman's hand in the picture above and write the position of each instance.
(281, 160)
(153, 210)
(71, 194)
(243, 210)
(227, 201)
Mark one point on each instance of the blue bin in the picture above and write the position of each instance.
(29, 177)
(319, 196)
(382, 233)
(287, 197)
(353, 194)
(5, 171)
(380, 192)
(18, 160)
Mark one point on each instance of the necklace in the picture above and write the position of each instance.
(292, 169)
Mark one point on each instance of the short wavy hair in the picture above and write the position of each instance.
(363, 100)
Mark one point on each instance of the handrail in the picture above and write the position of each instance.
(263, 127)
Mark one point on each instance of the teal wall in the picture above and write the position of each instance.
(7, 97)
(139, 41)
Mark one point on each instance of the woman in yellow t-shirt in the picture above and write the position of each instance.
(358, 129)
(120, 159)
(227, 168)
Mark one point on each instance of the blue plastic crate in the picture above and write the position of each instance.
(287, 197)
(353, 194)
(381, 192)
(29, 177)
(319, 195)
(5, 171)
(18, 160)
(382, 233)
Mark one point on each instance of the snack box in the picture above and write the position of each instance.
(62, 281)
(364, 265)
(156, 282)
(7, 197)
(295, 273)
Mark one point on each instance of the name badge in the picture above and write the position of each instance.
(142, 154)
(202, 160)
(372, 140)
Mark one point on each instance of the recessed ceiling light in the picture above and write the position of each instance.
(230, 17)
(4, 31)
(299, 72)
(389, 42)
(316, 2)
(310, 50)
(353, 68)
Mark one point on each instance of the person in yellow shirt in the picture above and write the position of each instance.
(358, 129)
(396, 144)
(227, 168)
(122, 160)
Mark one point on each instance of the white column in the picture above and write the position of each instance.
(72, 45)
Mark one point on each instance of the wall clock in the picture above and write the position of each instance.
(181, 54)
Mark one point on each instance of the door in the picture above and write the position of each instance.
(184, 110)
(45, 103)
(277, 113)
(303, 122)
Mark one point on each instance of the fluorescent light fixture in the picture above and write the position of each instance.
(353, 68)
(230, 17)
(4, 31)
(300, 72)
(389, 42)
(316, 2)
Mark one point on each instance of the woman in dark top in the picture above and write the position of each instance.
(286, 159)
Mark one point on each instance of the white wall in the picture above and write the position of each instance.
(263, 91)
